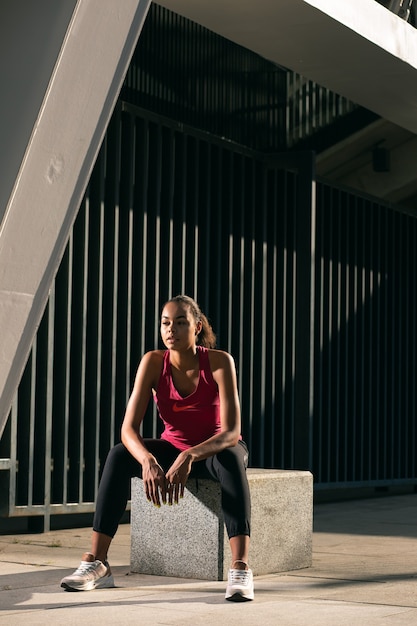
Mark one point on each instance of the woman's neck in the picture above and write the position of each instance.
(184, 360)
(185, 371)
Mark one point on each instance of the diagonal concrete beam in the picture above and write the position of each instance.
(69, 128)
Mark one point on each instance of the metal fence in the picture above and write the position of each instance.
(311, 108)
(316, 300)
(365, 342)
(311, 288)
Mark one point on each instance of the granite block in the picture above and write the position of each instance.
(189, 539)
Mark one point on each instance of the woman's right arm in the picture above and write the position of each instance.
(146, 378)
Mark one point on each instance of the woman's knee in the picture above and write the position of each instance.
(117, 454)
(235, 457)
(120, 463)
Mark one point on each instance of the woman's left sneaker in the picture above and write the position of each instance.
(91, 574)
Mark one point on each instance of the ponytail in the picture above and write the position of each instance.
(206, 336)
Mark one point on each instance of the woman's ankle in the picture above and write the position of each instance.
(100, 546)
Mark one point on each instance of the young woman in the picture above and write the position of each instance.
(195, 390)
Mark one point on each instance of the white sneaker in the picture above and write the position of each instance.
(91, 574)
(239, 585)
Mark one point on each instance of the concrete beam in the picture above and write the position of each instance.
(99, 41)
(29, 48)
(357, 48)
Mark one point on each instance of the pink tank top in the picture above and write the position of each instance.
(188, 421)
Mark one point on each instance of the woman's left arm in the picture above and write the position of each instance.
(224, 373)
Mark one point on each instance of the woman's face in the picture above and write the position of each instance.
(178, 327)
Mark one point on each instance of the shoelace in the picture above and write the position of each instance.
(240, 576)
(86, 567)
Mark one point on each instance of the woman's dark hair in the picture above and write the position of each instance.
(206, 336)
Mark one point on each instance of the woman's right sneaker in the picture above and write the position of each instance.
(239, 585)
(91, 574)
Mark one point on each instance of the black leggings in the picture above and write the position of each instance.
(228, 467)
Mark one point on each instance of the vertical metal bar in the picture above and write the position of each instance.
(304, 313)
(319, 414)
(336, 408)
(157, 182)
(183, 213)
(130, 257)
(114, 323)
(312, 305)
(116, 278)
(329, 339)
(271, 210)
(218, 213)
(403, 375)
(296, 270)
(355, 339)
(196, 217)
(83, 371)
(413, 344)
(394, 331)
(144, 204)
(170, 216)
(266, 330)
(255, 316)
(347, 343)
(370, 338)
(399, 410)
(99, 321)
(288, 210)
(205, 227)
(13, 453)
(49, 410)
(32, 416)
(252, 317)
(231, 240)
(66, 420)
(241, 270)
(361, 315)
(374, 372)
(385, 336)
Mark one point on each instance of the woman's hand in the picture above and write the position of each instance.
(177, 475)
(154, 483)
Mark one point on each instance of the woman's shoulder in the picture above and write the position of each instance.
(157, 353)
(153, 359)
(220, 359)
(150, 366)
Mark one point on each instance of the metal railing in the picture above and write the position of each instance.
(313, 293)
(365, 342)
(311, 108)
(316, 302)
